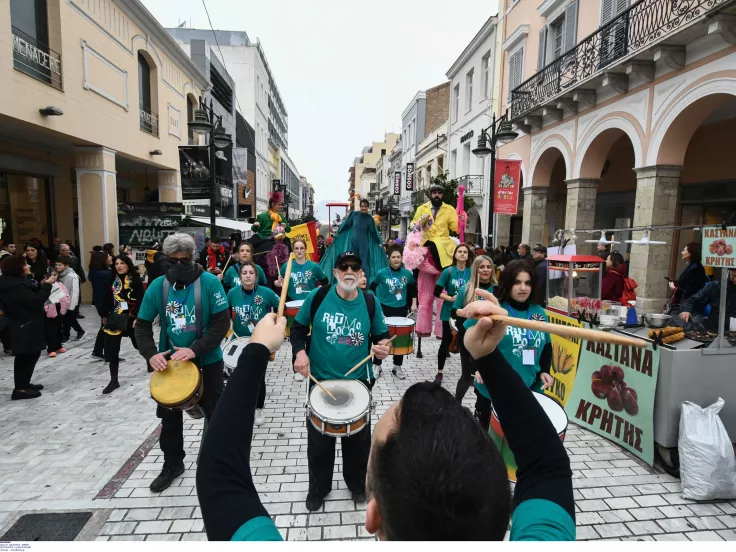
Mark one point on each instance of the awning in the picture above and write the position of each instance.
(241, 226)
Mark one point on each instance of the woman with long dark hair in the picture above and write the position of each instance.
(23, 300)
(451, 281)
(36, 259)
(692, 279)
(122, 300)
(612, 287)
(99, 276)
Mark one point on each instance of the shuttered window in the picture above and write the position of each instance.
(571, 27)
(516, 62)
(542, 56)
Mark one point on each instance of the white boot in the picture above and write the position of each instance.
(298, 377)
(398, 371)
(259, 417)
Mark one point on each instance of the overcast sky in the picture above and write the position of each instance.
(346, 70)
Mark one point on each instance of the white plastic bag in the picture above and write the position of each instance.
(707, 467)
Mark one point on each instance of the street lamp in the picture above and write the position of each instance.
(206, 121)
(500, 133)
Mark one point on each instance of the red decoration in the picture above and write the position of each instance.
(506, 187)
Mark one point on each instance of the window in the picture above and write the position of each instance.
(30, 37)
(221, 90)
(558, 37)
(453, 163)
(613, 42)
(466, 158)
(516, 62)
(456, 99)
(148, 117)
(469, 89)
(485, 65)
(557, 30)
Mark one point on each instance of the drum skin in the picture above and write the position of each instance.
(404, 332)
(348, 416)
(179, 387)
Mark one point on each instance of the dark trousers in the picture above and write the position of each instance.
(99, 348)
(53, 333)
(262, 392)
(321, 458)
(444, 345)
(70, 323)
(23, 367)
(172, 421)
(468, 371)
(392, 311)
(482, 410)
(5, 335)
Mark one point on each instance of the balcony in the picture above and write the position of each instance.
(149, 121)
(626, 47)
(473, 184)
(35, 59)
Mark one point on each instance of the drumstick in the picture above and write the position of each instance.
(322, 387)
(284, 292)
(230, 258)
(278, 266)
(370, 356)
(567, 331)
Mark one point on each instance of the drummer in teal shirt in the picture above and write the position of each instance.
(305, 274)
(395, 289)
(529, 352)
(232, 275)
(452, 279)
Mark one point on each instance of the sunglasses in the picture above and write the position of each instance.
(173, 261)
(343, 267)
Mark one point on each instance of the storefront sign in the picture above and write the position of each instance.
(614, 394)
(466, 137)
(506, 187)
(720, 245)
(151, 208)
(143, 230)
(36, 60)
(397, 183)
(410, 177)
(203, 211)
(565, 357)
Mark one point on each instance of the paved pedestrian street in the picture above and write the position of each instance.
(77, 450)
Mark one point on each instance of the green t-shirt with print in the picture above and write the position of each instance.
(392, 284)
(250, 306)
(341, 335)
(451, 280)
(304, 278)
(182, 301)
(232, 276)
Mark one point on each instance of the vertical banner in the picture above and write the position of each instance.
(410, 177)
(614, 395)
(506, 187)
(397, 183)
(565, 357)
(194, 164)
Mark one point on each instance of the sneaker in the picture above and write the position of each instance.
(8, 352)
(81, 316)
(98, 356)
(166, 477)
(65, 340)
(398, 371)
(112, 386)
(298, 377)
(27, 394)
(314, 502)
(80, 335)
(438, 379)
(62, 350)
(34, 386)
(260, 420)
(52, 354)
(359, 496)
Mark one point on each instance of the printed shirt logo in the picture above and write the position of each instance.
(175, 310)
(522, 339)
(220, 299)
(395, 285)
(457, 283)
(343, 331)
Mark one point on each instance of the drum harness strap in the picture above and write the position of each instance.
(165, 287)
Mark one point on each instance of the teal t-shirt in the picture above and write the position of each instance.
(250, 307)
(451, 280)
(392, 284)
(304, 278)
(213, 301)
(460, 298)
(517, 340)
(341, 332)
(258, 529)
(232, 276)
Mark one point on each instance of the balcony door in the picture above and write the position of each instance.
(614, 38)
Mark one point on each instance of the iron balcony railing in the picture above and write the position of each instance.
(149, 120)
(642, 25)
(36, 59)
(473, 184)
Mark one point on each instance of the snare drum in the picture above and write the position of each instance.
(556, 415)
(344, 417)
(291, 309)
(231, 353)
(179, 387)
(403, 329)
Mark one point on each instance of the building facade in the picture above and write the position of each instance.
(290, 180)
(412, 132)
(624, 110)
(100, 94)
(363, 171)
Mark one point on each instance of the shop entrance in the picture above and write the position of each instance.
(24, 209)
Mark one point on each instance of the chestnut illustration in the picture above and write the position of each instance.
(606, 372)
(729, 250)
(608, 383)
(615, 400)
(630, 401)
(712, 249)
(618, 374)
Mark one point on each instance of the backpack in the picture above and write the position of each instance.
(629, 293)
(370, 302)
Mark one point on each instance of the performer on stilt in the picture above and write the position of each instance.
(269, 231)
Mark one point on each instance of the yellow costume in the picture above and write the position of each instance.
(438, 230)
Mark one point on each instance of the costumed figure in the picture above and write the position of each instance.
(430, 249)
(269, 231)
(357, 233)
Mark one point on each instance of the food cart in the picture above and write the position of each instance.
(582, 299)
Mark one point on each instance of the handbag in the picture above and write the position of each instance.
(118, 321)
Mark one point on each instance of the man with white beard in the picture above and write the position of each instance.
(347, 324)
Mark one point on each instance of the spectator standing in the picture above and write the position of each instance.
(525, 253)
(99, 276)
(55, 309)
(37, 261)
(69, 278)
(539, 254)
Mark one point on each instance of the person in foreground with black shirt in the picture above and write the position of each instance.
(417, 490)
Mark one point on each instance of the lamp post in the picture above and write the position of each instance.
(206, 121)
(500, 132)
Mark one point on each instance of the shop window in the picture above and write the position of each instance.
(24, 208)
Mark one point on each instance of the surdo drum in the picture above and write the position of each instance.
(403, 329)
(343, 417)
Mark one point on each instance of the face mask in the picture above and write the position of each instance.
(182, 272)
(436, 202)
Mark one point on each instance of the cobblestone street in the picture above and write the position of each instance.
(75, 449)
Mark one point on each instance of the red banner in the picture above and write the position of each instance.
(506, 187)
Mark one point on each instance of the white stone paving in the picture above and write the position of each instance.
(62, 449)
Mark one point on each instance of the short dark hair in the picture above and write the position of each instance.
(617, 259)
(696, 251)
(98, 249)
(525, 246)
(393, 247)
(64, 260)
(438, 476)
(13, 265)
(508, 279)
(98, 260)
(366, 202)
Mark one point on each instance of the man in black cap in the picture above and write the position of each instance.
(539, 253)
(347, 324)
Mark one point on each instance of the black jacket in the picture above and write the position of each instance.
(711, 295)
(691, 281)
(100, 280)
(23, 305)
(39, 268)
(76, 266)
(158, 267)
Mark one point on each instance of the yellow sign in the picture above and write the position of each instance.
(565, 358)
(302, 232)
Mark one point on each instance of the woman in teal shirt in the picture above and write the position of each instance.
(305, 274)
(250, 303)
(232, 275)
(483, 275)
(452, 279)
(528, 352)
(395, 289)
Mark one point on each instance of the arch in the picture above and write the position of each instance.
(594, 148)
(148, 48)
(553, 143)
(684, 115)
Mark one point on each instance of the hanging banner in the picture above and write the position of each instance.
(397, 183)
(565, 357)
(614, 394)
(720, 245)
(506, 187)
(194, 164)
(410, 177)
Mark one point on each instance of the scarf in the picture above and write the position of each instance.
(275, 220)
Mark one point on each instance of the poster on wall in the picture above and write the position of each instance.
(614, 394)
(194, 164)
(565, 357)
(506, 187)
(718, 247)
